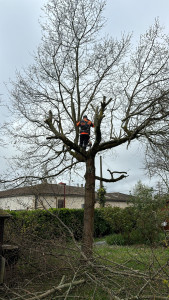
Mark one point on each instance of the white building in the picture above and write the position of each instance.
(47, 196)
(117, 200)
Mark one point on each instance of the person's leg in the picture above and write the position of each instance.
(81, 140)
(86, 140)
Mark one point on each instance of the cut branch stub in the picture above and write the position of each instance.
(115, 172)
(123, 175)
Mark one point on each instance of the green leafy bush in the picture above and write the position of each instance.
(149, 212)
(48, 223)
(134, 237)
(113, 215)
(55, 222)
(116, 239)
(120, 220)
(102, 225)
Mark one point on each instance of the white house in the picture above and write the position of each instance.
(117, 200)
(48, 195)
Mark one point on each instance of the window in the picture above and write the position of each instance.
(60, 203)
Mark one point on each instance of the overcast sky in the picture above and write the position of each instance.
(20, 34)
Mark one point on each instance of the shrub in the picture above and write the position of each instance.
(46, 224)
(148, 211)
(113, 215)
(102, 225)
(116, 239)
(120, 220)
(137, 224)
(134, 237)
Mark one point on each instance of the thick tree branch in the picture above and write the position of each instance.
(79, 154)
(99, 115)
(112, 176)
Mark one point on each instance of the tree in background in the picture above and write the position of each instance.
(157, 160)
(149, 210)
(79, 70)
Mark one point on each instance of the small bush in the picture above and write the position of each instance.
(134, 237)
(150, 213)
(120, 220)
(116, 239)
(102, 226)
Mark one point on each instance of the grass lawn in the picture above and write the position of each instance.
(138, 257)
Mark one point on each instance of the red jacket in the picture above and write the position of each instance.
(85, 125)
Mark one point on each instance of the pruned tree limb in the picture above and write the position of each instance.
(57, 288)
(124, 175)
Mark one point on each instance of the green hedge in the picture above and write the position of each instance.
(54, 222)
(46, 224)
(50, 224)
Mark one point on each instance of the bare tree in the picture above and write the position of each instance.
(76, 71)
(157, 159)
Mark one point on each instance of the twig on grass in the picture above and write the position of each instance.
(58, 288)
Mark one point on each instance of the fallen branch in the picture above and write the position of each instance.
(148, 281)
(149, 297)
(58, 288)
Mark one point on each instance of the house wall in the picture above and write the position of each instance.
(46, 202)
(52, 202)
(75, 202)
(17, 203)
(30, 202)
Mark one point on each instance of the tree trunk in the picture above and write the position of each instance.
(88, 226)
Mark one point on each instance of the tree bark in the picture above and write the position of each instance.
(88, 226)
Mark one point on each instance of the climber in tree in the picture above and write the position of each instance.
(84, 125)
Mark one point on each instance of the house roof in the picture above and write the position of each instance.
(44, 189)
(47, 189)
(117, 197)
